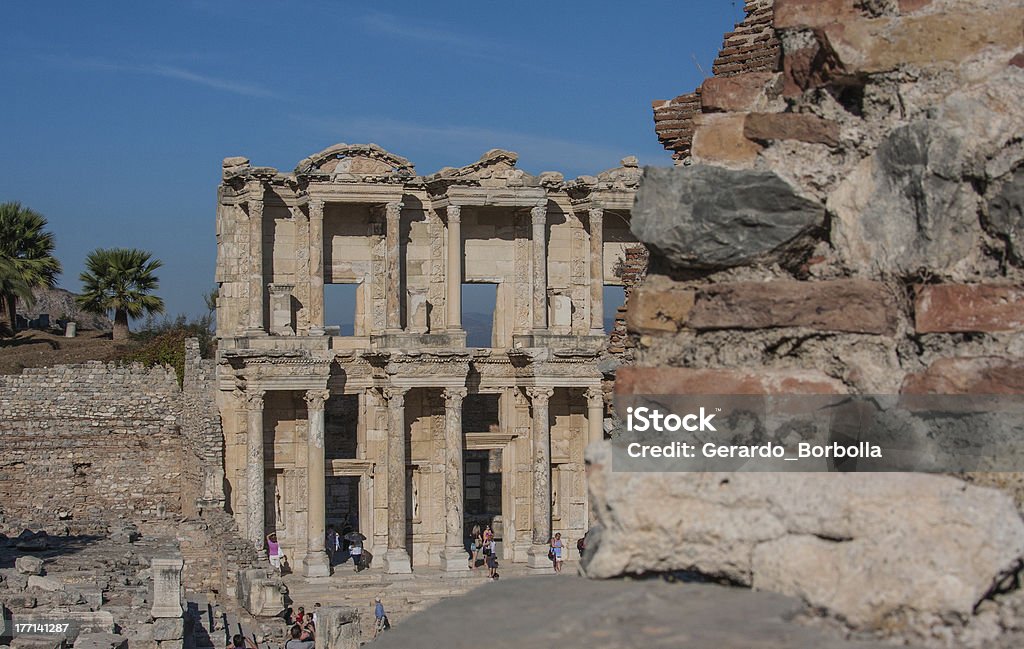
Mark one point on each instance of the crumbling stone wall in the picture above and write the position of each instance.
(202, 434)
(93, 441)
(752, 47)
(852, 223)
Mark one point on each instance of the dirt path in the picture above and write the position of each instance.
(40, 349)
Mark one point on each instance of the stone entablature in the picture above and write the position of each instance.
(376, 425)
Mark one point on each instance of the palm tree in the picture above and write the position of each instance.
(26, 253)
(120, 280)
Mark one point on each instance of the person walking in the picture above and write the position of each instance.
(476, 545)
(355, 550)
(333, 544)
(274, 551)
(556, 552)
(380, 622)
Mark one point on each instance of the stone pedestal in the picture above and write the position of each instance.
(260, 593)
(70, 330)
(454, 559)
(397, 562)
(537, 558)
(337, 627)
(166, 587)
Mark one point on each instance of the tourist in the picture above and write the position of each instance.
(488, 537)
(476, 544)
(380, 622)
(316, 610)
(491, 552)
(355, 550)
(333, 544)
(299, 619)
(555, 554)
(299, 639)
(239, 641)
(274, 551)
(581, 545)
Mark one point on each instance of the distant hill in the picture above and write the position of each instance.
(60, 303)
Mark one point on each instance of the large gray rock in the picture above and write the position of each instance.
(907, 206)
(29, 565)
(1006, 213)
(705, 217)
(869, 548)
(101, 641)
(337, 627)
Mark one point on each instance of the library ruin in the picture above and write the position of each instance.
(399, 425)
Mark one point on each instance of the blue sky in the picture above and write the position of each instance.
(116, 115)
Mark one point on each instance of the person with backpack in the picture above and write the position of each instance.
(380, 622)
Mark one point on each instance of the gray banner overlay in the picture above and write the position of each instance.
(931, 433)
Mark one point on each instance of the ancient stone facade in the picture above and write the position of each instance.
(400, 428)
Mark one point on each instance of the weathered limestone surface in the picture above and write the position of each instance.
(338, 628)
(866, 547)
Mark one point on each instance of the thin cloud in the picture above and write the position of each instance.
(460, 145)
(167, 72)
(390, 24)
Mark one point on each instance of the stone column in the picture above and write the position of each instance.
(396, 559)
(595, 414)
(316, 268)
(454, 271)
(596, 271)
(255, 327)
(538, 555)
(453, 557)
(393, 315)
(539, 216)
(254, 472)
(316, 563)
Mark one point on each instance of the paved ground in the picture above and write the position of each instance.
(568, 612)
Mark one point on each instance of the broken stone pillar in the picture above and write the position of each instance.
(259, 592)
(596, 271)
(396, 559)
(392, 236)
(316, 563)
(539, 217)
(417, 310)
(316, 268)
(255, 327)
(254, 472)
(337, 627)
(454, 270)
(453, 557)
(166, 588)
(70, 330)
(538, 554)
(281, 309)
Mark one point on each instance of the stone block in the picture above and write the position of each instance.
(658, 307)
(801, 14)
(44, 583)
(168, 628)
(684, 216)
(739, 93)
(767, 127)
(1006, 210)
(338, 627)
(635, 380)
(166, 587)
(849, 305)
(948, 308)
(260, 593)
(719, 138)
(101, 641)
(968, 375)
(27, 565)
(863, 547)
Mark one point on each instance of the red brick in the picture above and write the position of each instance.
(971, 375)
(681, 380)
(951, 308)
(848, 305)
(765, 127)
(736, 93)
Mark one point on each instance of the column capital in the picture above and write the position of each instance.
(540, 394)
(595, 396)
(454, 213)
(595, 214)
(453, 396)
(315, 399)
(316, 207)
(539, 214)
(394, 394)
(255, 399)
(393, 209)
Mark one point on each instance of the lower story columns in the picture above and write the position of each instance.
(396, 559)
(453, 557)
(254, 472)
(538, 554)
(316, 563)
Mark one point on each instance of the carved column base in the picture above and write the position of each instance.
(255, 333)
(537, 558)
(521, 552)
(316, 564)
(396, 562)
(454, 559)
(316, 331)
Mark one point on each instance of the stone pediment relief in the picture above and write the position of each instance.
(356, 163)
(496, 168)
(624, 178)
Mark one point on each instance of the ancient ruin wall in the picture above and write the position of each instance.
(94, 440)
(752, 47)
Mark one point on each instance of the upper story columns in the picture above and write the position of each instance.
(393, 269)
(539, 219)
(254, 326)
(454, 269)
